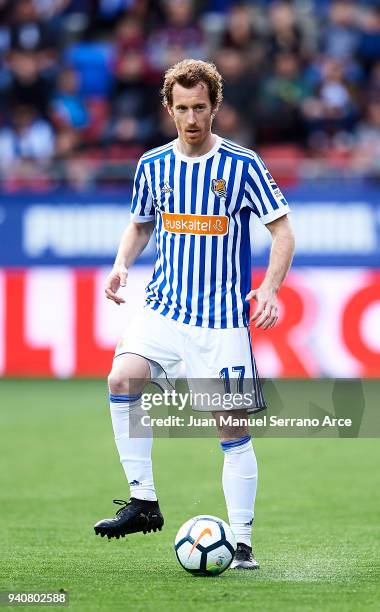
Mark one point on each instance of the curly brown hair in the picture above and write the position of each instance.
(189, 73)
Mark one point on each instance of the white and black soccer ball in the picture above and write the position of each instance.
(205, 545)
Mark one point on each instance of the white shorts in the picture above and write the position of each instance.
(174, 349)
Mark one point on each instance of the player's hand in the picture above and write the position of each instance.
(266, 313)
(116, 279)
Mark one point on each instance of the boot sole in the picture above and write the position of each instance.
(121, 533)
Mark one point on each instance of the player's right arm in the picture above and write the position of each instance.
(134, 240)
(135, 237)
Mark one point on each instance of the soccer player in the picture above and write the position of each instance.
(198, 192)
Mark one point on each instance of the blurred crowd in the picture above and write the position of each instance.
(79, 82)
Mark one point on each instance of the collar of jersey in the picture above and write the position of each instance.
(203, 157)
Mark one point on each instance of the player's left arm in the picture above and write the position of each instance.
(266, 313)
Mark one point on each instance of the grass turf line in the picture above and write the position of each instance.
(316, 523)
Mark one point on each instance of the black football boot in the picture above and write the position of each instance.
(244, 558)
(133, 516)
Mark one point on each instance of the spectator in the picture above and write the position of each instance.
(180, 37)
(165, 130)
(131, 79)
(29, 85)
(130, 56)
(239, 33)
(5, 40)
(67, 142)
(230, 124)
(367, 141)
(332, 108)
(242, 34)
(373, 89)
(5, 12)
(279, 118)
(133, 85)
(129, 125)
(239, 87)
(68, 107)
(27, 137)
(340, 37)
(285, 33)
(150, 13)
(129, 36)
(369, 44)
(47, 9)
(29, 32)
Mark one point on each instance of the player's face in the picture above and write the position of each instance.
(192, 113)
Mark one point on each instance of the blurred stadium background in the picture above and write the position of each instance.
(79, 82)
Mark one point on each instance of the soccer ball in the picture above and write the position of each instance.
(205, 545)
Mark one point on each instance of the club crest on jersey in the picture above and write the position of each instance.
(219, 188)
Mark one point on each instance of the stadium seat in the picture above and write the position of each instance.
(93, 63)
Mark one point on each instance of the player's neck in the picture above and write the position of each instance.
(196, 150)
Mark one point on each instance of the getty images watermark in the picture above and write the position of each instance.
(227, 402)
(198, 400)
(345, 408)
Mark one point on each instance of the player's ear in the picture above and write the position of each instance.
(170, 110)
(214, 110)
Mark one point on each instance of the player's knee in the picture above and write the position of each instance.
(117, 383)
(120, 383)
(128, 376)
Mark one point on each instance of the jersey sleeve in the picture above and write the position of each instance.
(142, 208)
(262, 193)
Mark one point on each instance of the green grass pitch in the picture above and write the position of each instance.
(316, 527)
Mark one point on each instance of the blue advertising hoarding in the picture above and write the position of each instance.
(334, 226)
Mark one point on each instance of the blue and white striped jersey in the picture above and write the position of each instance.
(202, 207)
